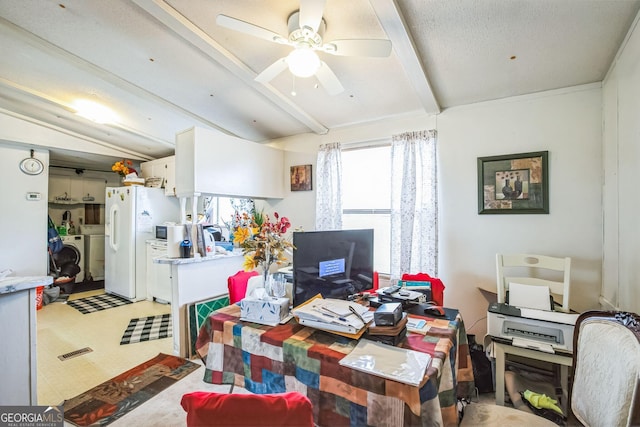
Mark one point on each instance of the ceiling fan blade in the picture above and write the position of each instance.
(311, 13)
(251, 29)
(359, 47)
(328, 79)
(272, 71)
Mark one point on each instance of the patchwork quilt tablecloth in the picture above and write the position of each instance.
(292, 357)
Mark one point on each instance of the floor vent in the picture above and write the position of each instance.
(74, 353)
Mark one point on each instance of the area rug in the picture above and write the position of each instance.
(147, 329)
(116, 397)
(97, 303)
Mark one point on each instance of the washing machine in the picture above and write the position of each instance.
(73, 250)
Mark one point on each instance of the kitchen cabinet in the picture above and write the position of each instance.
(158, 275)
(60, 189)
(93, 191)
(162, 168)
(18, 333)
(76, 190)
(210, 162)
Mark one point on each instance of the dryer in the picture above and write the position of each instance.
(76, 243)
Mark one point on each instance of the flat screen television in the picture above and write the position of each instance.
(335, 263)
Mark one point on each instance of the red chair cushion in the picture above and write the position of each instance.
(237, 285)
(437, 287)
(292, 409)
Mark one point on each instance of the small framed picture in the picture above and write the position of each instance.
(301, 178)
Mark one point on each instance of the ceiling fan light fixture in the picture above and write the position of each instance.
(303, 62)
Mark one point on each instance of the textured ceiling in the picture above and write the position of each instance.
(164, 66)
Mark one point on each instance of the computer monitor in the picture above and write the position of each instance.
(335, 263)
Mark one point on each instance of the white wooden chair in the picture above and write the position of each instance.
(606, 378)
(539, 270)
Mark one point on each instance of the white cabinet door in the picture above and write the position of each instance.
(158, 275)
(75, 189)
(170, 176)
(93, 190)
(162, 168)
(59, 188)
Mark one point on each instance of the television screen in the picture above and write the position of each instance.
(335, 263)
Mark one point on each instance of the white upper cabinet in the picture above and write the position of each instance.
(210, 162)
(76, 190)
(162, 168)
(93, 190)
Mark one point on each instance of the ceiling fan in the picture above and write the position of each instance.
(306, 27)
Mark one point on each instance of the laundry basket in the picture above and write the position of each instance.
(39, 297)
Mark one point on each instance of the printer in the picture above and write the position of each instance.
(548, 331)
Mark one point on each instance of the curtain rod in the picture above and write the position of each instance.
(368, 143)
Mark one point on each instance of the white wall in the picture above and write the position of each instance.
(621, 148)
(23, 241)
(566, 122)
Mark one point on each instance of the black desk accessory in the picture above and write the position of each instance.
(419, 309)
(388, 314)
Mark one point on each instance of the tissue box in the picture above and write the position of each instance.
(264, 311)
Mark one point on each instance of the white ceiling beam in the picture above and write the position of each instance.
(190, 32)
(396, 28)
(107, 76)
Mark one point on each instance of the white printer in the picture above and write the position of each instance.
(542, 330)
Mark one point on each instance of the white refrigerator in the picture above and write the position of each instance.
(131, 216)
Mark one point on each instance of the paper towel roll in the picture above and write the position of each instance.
(175, 236)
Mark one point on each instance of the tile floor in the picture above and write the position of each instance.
(63, 329)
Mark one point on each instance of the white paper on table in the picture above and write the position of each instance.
(529, 296)
(395, 363)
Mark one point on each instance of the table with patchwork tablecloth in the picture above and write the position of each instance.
(292, 357)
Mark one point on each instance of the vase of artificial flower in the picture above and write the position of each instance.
(263, 242)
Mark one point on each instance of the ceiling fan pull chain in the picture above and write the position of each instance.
(293, 85)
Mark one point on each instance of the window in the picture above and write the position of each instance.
(366, 180)
(220, 210)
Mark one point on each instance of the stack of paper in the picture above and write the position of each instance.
(333, 315)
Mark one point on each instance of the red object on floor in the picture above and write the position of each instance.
(39, 297)
(237, 285)
(291, 409)
(437, 287)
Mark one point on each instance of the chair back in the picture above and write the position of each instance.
(291, 409)
(237, 285)
(538, 270)
(606, 385)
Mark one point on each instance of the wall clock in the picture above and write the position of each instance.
(31, 165)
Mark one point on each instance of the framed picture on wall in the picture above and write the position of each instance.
(514, 184)
(301, 178)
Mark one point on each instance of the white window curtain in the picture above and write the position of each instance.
(414, 204)
(329, 187)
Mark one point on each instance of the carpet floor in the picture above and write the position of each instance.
(147, 329)
(118, 396)
(97, 303)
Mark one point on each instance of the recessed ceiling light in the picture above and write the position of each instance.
(95, 112)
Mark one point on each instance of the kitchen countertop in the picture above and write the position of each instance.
(14, 284)
(179, 261)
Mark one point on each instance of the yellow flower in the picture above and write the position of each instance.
(249, 263)
(241, 235)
